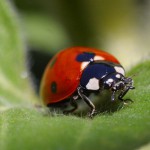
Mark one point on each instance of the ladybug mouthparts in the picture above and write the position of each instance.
(124, 83)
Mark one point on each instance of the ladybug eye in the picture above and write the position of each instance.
(128, 80)
(109, 82)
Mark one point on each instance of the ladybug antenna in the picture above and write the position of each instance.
(134, 75)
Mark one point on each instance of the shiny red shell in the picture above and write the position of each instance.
(62, 74)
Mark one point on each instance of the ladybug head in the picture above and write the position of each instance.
(117, 81)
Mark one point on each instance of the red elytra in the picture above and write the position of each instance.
(62, 74)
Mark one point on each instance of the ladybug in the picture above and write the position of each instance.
(76, 72)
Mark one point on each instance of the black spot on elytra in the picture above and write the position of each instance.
(53, 87)
(85, 56)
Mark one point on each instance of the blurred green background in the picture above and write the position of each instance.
(31, 32)
(120, 27)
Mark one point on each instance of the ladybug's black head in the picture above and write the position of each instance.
(103, 75)
(117, 81)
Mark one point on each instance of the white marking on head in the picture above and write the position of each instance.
(98, 58)
(119, 70)
(109, 81)
(118, 76)
(84, 64)
(93, 84)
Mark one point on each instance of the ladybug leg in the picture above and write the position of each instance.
(88, 101)
(113, 96)
(122, 94)
(74, 104)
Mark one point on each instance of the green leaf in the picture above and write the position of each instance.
(14, 85)
(43, 32)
